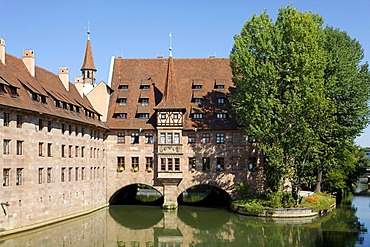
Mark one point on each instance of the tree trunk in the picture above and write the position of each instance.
(318, 180)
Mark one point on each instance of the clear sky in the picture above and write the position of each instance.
(56, 30)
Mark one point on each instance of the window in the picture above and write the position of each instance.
(6, 147)
(63, 150)
(176, 138)
(177, 164)
(41, 144)
(121, 138)
(197, 87)
(149, 163)
(41, 126)
(120, 115)
(82, 151)
(2, 89)
(63, 174)
(134, 138)
(41, 173)
(82, 173)
(221, 115)
(176, 116)
(120, 164)
(197, 115)
(220, 164)
(206, 138)
(163, 138)
(206, 164)
(221, 100)
(149, 138)
(48, 175)
(70, 151)
(163, 164)
(49, 126)
(219, 86)
(144, 87)
(169, 138)
(50, 150)
(76, 151)
(19, 147)
(143, 115)
(191, 138)
(192, 163)
(13, 91)
(69, 129)
(69, 173)
(122, 101)
(19, 121)
(43, 99)
(6, 172)
(144, 101)
(63, 128)
(220, 138)
(197, 100)
(123, 87)
(6, 119)
(169, 164)
(34, 96)
(19, 176)
(163, 116)
(76, 174)
(135, 163)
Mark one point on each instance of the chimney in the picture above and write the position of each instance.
(2, 51)
(64, 77)
(28, 59)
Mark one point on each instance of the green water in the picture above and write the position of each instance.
(144, 226)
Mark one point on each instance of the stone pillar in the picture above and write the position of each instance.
(170, 196)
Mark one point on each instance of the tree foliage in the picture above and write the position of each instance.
(301, 94)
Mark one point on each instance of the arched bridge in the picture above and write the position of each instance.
(172, 183)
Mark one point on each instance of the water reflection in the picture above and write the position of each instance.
(140, 226)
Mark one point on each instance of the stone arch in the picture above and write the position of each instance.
(128, 192)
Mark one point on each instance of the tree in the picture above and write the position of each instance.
(294, 93)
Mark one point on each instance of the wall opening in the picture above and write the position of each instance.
(205, 196)
(137, 194)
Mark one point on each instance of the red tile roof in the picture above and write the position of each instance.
(88, 63)
(208, 74)
(46, 84)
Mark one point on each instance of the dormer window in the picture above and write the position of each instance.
(221, 101)
(197, 100)
(57, 103)
(144, 101)
(64, 105)
(120, 115)
(124, 86)
(2, 88)
(197, 87)
(77, 109)
(122, 101)
(43, 99)
(221, 115)
(145, 87)
(219, 86)
(197, 115)
(34, 96)
(13, 91)
(142, 115)
(71, 107)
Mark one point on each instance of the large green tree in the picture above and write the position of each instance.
(298, 95)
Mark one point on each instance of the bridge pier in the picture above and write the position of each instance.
(170, 196)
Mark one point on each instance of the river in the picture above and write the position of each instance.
(146, 226)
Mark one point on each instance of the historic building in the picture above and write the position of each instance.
(70, 148)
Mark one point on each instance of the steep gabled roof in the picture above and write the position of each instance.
(170, 98)
(88, 63)
(209, 73)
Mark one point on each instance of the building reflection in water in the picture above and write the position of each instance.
(138, 226)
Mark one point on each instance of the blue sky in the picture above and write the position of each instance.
(56, 30)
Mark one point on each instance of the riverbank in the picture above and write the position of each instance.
(49, 222)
